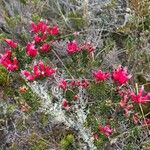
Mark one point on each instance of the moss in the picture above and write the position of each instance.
(66, 141)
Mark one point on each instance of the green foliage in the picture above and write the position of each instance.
(129, 147)
(31, 99)
(40, 145)
(37, 141)
(66, 141)
(3, 76)
(13, 21)
(44, 118)
(100, 90)
(2, 36)
(23, 1)
(35, 18)
(76, 20)
(69, 95)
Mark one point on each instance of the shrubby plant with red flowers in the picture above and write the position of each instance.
(110, 90)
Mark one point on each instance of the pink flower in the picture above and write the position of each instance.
(140, 97)
(106, 130)
(28, 75)
(100, 75)
(36, 70)
(53, 30)
(45, 47)
(31, 50)
(76, 97)
(9, 63)
(120, 75)
(146, 122)
(62, 84)
(73, 83)
(95, 136)
(39, 70)
(34, 27)
(124, 103)
(40, 27)
(37, 38)
(65, 104)
(127, 110)
(135, 118)
(11, 43)
(42, 68)
(84, 83)
(89, 47)
(49, 71)
(72, 47)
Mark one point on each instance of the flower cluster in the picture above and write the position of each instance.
(73, 47)
(120, 75)
(99, 75)
(130, 99)
(41, 32)
(39, 70)
(43, 37)
(8, 62)
(106, 130)
(140, 97)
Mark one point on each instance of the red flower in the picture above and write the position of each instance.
(36, 70)
(34, 27)
(42, 68)
(120, 75)
(45, 47)
(11, 43)
(100, 75)
(73, 83)
(39, 70)
(72, 47)
(49, 71)
(146, 122)
(65, 104)
(8, 62)
(37, 38)
(40, 27)
(106, 130)
(140, 97)
(89, 47)
(31, 50)
(84, 83)
(62, 84)
(28, 75)
(53, 30)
